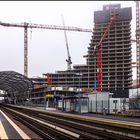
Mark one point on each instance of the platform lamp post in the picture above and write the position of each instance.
(45, 90)
(29, 93)
(79, 100)
(87, 57)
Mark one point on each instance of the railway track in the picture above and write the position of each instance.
(56, 126)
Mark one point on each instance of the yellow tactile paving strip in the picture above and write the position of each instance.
(3, 134)
(19, 131)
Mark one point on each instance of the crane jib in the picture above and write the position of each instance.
(26, 25)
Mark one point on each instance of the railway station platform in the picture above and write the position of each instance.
(9, 130)
(91, 115)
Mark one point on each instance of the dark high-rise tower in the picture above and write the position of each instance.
(116, 48)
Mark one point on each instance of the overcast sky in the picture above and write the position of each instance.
(47, 48)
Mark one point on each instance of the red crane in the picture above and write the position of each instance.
(99, 66)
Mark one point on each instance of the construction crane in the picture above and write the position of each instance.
(40, 26)
(138, 42)
(69, 62)
(99, 66)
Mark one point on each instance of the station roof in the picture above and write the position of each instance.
(11, 82)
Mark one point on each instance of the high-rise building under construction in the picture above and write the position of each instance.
(116, 48)
(116, 54)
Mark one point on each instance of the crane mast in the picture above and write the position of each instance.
(69, 62)
(138, 42)
(26, 51)
(40, 26)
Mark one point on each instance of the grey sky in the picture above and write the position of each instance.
(47, 49)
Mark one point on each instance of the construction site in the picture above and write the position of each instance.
(107, 72)
(96, 100)
(108, 63)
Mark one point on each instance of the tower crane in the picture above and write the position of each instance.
(99, 66)
(40, 26)
(69, 62)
